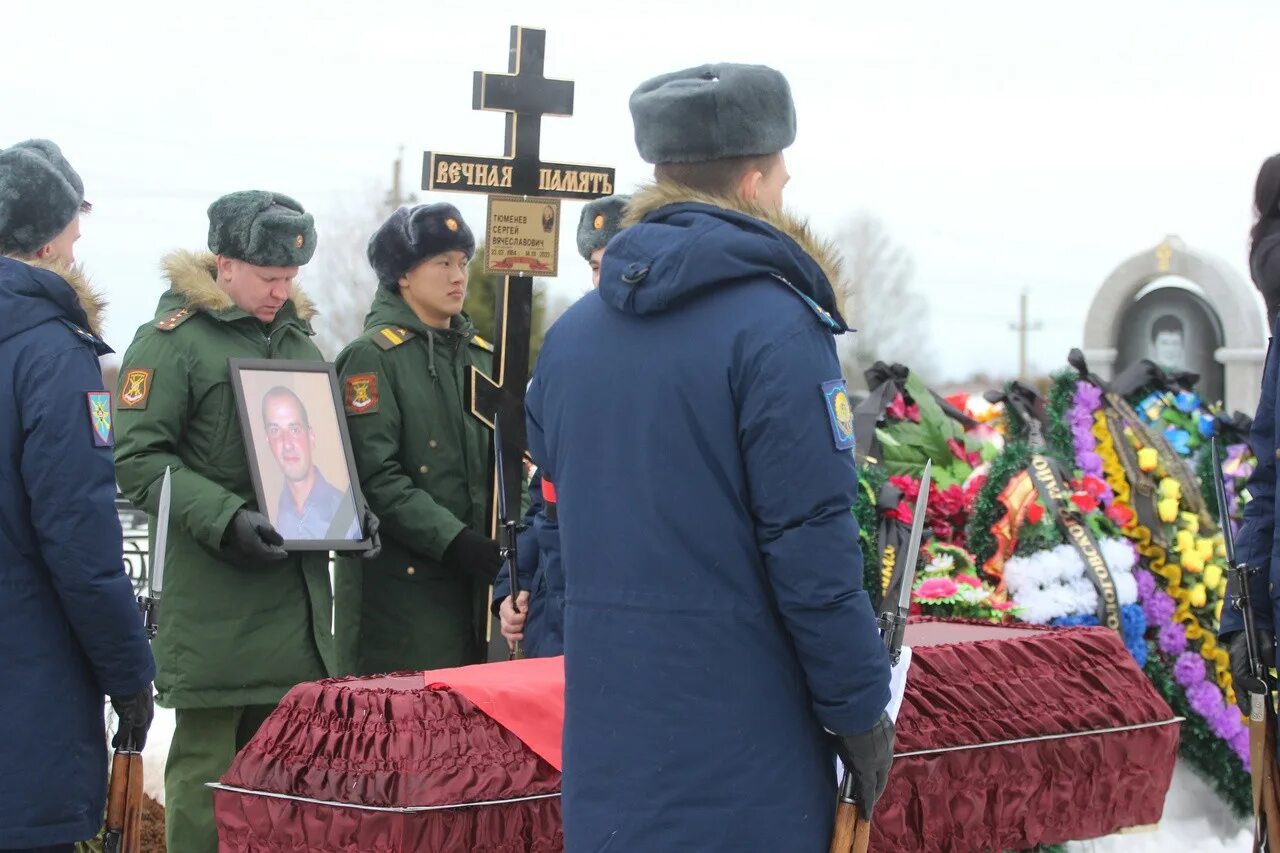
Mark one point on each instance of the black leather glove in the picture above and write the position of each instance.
(1238, 650)
(867, 757)
(370, 525)
(251, 534)
(476, 555)
(135, 713)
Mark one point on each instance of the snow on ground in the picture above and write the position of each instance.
(1194, 818)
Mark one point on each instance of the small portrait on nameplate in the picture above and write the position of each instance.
(299, 452)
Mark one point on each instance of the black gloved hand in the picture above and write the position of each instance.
(476, 555)
(370, 525)
(135, 713)
(867, 757)
(1238, 650)
(251, 534)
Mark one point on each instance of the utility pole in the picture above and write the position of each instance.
(1022, 327)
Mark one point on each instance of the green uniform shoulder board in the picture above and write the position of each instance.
(391, 337)
(174, 319)
(482, 343)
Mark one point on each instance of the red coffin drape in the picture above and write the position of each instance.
(1069, 741)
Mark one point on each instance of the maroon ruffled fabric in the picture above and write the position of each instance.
(390, 742)
(976, 683)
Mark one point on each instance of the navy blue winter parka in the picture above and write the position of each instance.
(70, 631)
(692, 417)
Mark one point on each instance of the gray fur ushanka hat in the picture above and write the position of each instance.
(413, 234)
(601, 219)
(713, 112)
(39, 195)
(262, 228)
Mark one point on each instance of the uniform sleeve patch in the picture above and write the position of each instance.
(135, 388)
(360, 393)
(174, 319)
(100, 418)
(482, 343)
(840, 412)
(391, 337)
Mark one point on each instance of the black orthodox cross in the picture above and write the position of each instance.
(525, 95)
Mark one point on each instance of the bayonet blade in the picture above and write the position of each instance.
(502, 475)
(908, 565)
(156, 580)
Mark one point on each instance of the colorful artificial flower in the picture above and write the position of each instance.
(1084, 502)
(1184, 540)
(1170, 488)
(1120, 514)
(1148, 459)
(968, 580)
(1198, 595)
(1035, 512)
(1205, 548)
(1168, 509)
(1189, 521)
(936, 589)
(1212, 575)
(1191, 561)
(1180, 439)
(1208, 425)
(1186, 402)
(902, 410)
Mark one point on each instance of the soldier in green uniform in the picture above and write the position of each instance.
(423, 460)
(242, 620)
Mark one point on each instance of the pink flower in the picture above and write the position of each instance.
(937, 588)
(969, 580)
(1001, 605)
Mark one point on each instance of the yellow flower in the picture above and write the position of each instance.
(1184, 541)
(1168, 509)
(1190, 521)
(1212, 575)
(1148, 459)
(1192, 562)
(1169, 488)
(1222, 587)
(1220, 546)
(1217, 610)
(1205, 547)
(1197, 595)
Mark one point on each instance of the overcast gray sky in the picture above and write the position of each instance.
(1006, 144)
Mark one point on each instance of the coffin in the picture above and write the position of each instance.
(1008, 737)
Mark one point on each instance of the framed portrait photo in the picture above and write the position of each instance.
(300, 453)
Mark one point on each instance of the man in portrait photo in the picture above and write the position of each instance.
(1168, 342)
(310, 507)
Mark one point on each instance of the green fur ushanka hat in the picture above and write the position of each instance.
(413, 234)
(261, 228)
(39, 195)
(713, 112)
(601, 219)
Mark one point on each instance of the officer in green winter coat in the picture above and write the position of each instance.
(241, 620)
(423, 460)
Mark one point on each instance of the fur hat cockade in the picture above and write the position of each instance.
(601, 220)
(713, 112)
(413, 234)
(40, 194)
(262, 228)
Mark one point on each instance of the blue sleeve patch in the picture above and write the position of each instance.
(100, 418)
(836, 396)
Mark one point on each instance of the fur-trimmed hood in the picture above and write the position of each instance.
(690, 240)
(34, 282)
(194, 277)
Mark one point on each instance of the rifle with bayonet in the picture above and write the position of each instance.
(509, 531)
(1262, 713)
(852, 832)
(123, 829)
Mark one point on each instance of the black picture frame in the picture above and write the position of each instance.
(285, 369)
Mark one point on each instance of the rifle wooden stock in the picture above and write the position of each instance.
(852, 830)
(1266, 775)
(124, 804)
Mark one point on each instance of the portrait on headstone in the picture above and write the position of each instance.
(299, 452)
(1174, 327)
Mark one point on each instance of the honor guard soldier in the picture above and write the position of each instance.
(537, 619)
(692, 417)
(243, 619)
(423, 460)
(70, 630)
